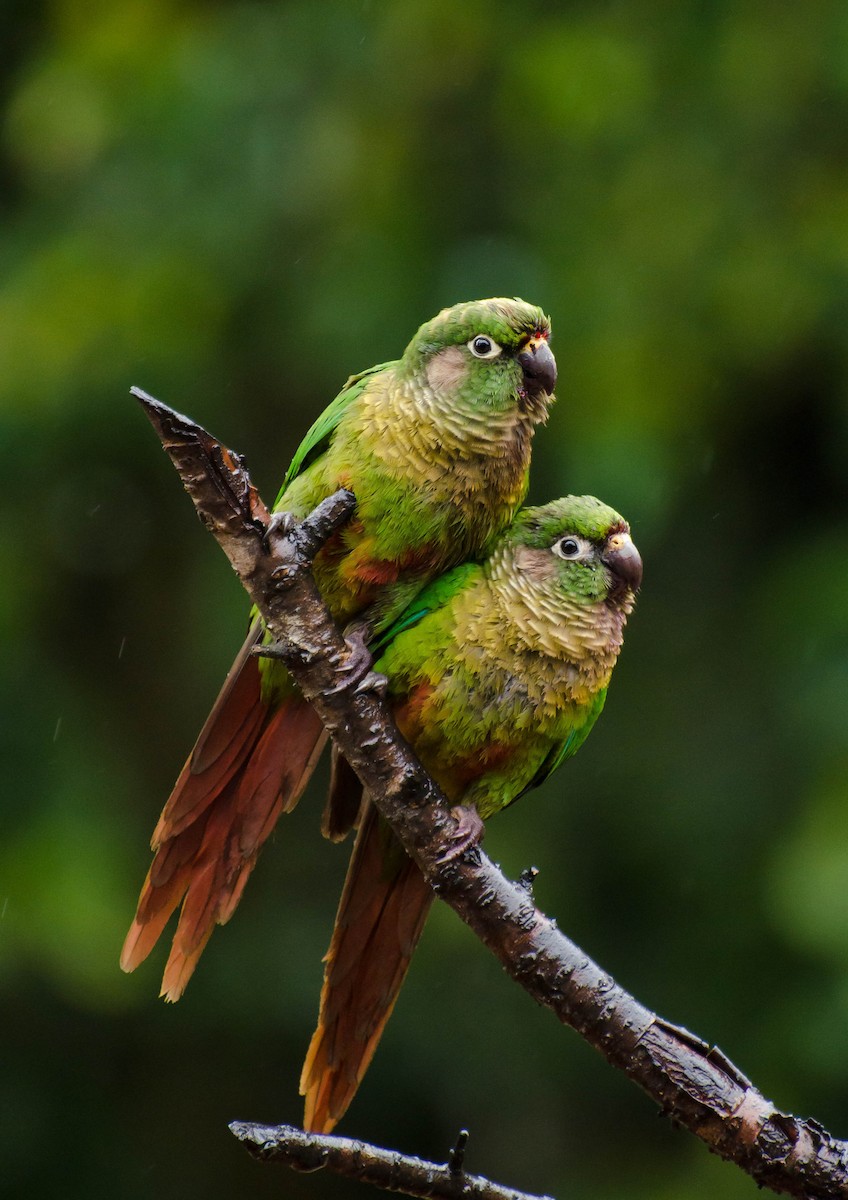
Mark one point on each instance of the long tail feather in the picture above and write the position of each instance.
(250, 763)
(381, 915)
(344, 799)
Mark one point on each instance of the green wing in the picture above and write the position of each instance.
(315, 442)
(566, 748)
(433, 597)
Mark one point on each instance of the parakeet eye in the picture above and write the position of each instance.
(483, 347)
(571, 547)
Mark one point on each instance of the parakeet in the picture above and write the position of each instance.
(436, 448)
(496, 674)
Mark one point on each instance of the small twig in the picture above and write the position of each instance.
(692, 1082)
(269, 650)
(456, 1161)
(527, 879)
(369, 1164)
(322, 523)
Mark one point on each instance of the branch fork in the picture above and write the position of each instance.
(691, 1082)
(371, 1164)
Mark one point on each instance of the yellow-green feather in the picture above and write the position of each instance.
(435, 447)
(503, 667)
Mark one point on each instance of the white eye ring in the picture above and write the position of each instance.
(571, 547)
(482, 346)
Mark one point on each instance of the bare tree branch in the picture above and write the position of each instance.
(385, 1169)
(691, 1081)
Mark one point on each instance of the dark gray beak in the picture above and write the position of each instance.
(539, 367)
(623, 560)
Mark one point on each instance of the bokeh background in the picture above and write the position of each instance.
(235, 206)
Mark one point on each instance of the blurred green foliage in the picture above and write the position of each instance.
(237, 205)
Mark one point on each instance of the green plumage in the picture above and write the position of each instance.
(496, 674)
(505, 665)
(436, 448)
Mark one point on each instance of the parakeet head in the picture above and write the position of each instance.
(491, 353)
(576, 550)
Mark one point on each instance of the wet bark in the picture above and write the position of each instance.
(384, 1169)
(692, 1082)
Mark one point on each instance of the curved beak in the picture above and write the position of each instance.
(539, 367)
(623, 560)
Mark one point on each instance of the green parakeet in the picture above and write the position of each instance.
(436, 448)
(496, 674)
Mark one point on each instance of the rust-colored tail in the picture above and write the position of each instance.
(381, 914)
(250, 763)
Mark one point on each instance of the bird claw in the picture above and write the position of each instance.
(467, 835)
(356, 669)
(280, 525)
(373, 682)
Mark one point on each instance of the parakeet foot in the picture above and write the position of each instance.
(281, 523)
(373, 682)
(468, 833)
(357, 666)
